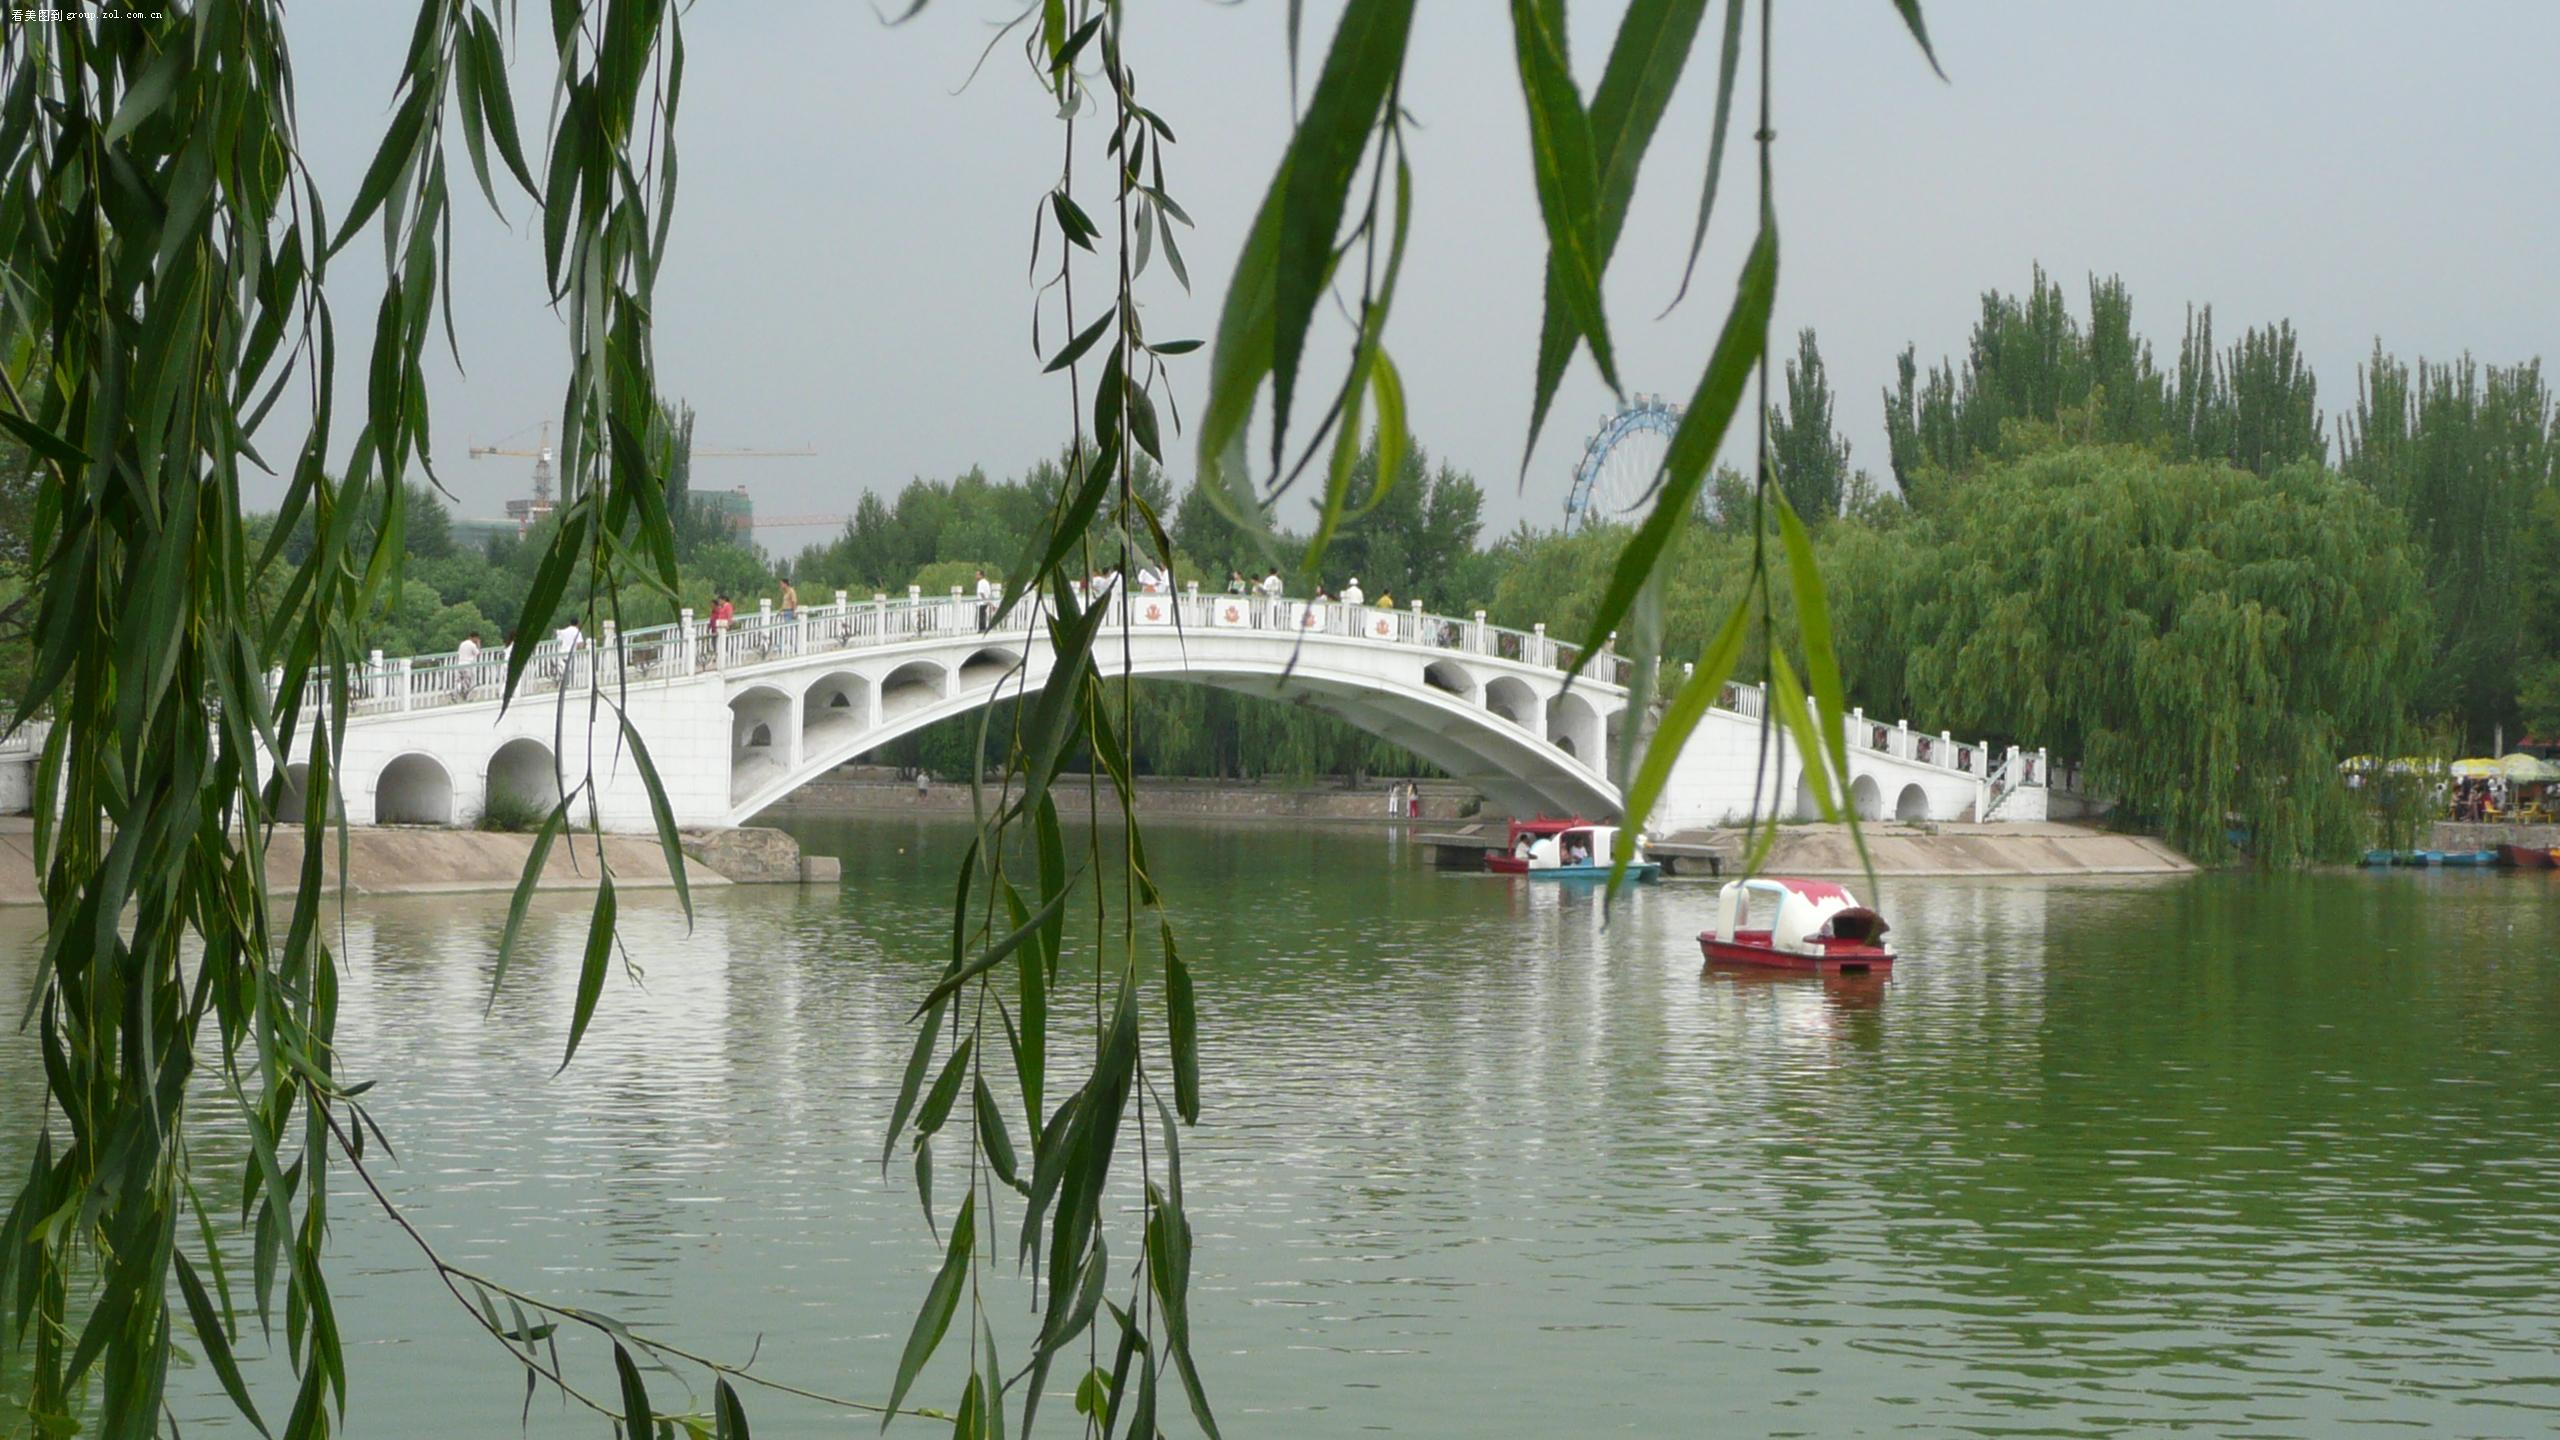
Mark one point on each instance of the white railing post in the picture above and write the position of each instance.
(1858, 727)
(1946, 749)
(609, 652)
(2044, 766)
(685, 641)
(1413, 632)
(1540, 652)
(1901, 744)
(401, 679)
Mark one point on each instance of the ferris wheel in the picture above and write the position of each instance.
(1619, 465)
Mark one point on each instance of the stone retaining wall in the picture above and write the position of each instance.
(2471, 835)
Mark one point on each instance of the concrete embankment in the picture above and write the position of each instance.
(2038, 848)
(2047, 848)
(423, 860)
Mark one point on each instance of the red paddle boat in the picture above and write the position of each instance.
(1812, 926)
(2527, 857)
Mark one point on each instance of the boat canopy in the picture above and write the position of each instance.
(1799, 911)
(1557, 849)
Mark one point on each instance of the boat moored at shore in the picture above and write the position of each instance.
(1545, 849)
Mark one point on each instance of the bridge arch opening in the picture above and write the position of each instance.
(759, 739)
(834, 710)
(1574, 727)
(522, 778)
(987, 667)
(1807, 807)
(911, 687)
(413, 789)
(1912, 803)
(1452, 677)
(1511, 698)
(292, 797)
(1866, 798)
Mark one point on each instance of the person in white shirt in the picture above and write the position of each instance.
(464, 664)
(986, 600)
(1351, 594)
(565, 641)
(1271, 586)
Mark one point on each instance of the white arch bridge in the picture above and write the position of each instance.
(737, 718)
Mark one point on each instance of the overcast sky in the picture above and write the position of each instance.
(848, 263)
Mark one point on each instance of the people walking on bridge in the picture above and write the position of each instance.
(986, 599)
(723, 614)
(466, 663)
(565, 641)
(790, 599)
(1235, 582)
(1351, 593)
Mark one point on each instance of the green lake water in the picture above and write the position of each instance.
(2224, 1154)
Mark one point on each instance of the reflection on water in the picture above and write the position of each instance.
(2240, 1155)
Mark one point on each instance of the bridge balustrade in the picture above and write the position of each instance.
(383, 686)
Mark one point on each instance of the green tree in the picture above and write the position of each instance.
(2464, 453)
(1808, 458)
(2216, 671)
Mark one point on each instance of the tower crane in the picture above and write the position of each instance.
(526, 512)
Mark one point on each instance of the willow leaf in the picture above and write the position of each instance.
(591, 970)
(1919, 27)
(993, 1136)
(1645, 64)
(940, 1301)
(1568, 177)
(1787, 694)
(1725, 69)
(1694, 444)
(216, 1339)
(946, 1088)
(995, 953)
(535, 858)
(1360, 70)
(638, 1416)
(1689, 705)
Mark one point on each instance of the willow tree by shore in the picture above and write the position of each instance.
(164, 277)
(2207, 640)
